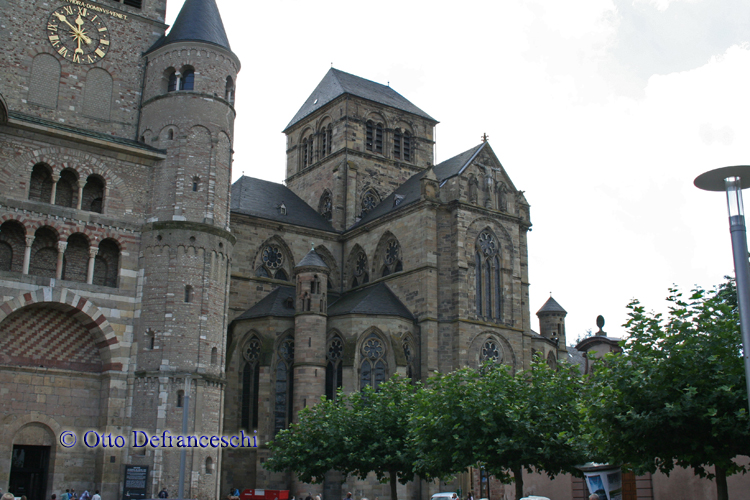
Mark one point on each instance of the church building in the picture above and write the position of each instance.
(142, 293)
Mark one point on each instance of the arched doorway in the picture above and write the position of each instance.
(30, 470)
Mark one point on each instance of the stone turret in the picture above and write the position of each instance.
(188, 112)
(311, 276)
(552, 322)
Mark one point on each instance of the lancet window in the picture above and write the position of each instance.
(372, 369)
(334, 366)
(488, 277)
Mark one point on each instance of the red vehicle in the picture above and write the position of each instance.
(264, 495)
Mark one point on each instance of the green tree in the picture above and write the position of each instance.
(500, 421)
(359, 433)
(676, 395)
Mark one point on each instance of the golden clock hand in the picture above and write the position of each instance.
(82, 33)
(62, 19)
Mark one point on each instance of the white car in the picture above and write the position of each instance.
(444, 495)
(535, 498)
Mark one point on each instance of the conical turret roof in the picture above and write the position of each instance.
(199, 20)
(551, 306)
(311, 259)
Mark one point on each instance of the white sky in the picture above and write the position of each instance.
(603, 111)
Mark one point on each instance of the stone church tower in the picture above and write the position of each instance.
(115, 249)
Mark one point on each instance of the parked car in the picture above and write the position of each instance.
(444, 495)
(535, 498)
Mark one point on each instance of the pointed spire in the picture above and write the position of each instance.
(551, 306)
(199, 20)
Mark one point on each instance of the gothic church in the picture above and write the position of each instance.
(139, 286)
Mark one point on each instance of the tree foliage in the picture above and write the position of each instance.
(676, 395)
(359, 433)
(500, 421)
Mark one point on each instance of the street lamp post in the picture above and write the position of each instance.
(733, 180)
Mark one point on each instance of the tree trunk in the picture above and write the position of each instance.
(394, 478)
(721, 483)
(518, 477)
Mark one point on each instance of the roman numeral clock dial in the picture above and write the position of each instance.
(78, 34)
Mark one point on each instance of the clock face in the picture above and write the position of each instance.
(78, 34)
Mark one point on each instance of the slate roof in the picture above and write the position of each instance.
(576, 357)
(454, 166)
(273, 304)
(262, 199)
(336, 83)
(311, 259)
(410, 191)
(375, 300)
(198, 20)
(551, 306)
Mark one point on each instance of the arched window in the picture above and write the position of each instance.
(12, 246)
(180, 399)
(488, 278)
(552, 360)
(170, 134)
(76, 258)
(171, 80)
(44, 253)
(188, 293)
(325, 207)
(250, 384)
(334, 366)
(93, 194)
(196, 183)
(402, 145)
(370, 200)
(328, 134)
(280, 275)
(67, 190)
(149, 338)
(392, 259)
(187, 80)
(374, 137)
(229, 90)
(209, 465)
(214, 355)
(284, 385)
(40, 185)
(361, 276)
(372, 369)
(107, 264)
(308, 148)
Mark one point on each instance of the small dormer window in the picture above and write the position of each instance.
(289, 303)
(282, 209)
(397, 199)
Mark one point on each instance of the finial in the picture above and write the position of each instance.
(332, 64)
(485, 137)
(389, 83)
(600, 324)
(312, 245)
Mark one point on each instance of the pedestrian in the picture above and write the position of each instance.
(54, 497)
(593, 496)
(163, 493)
(66, 495)
(73, 495)
(348, 496)
(9, 496)
(85, 495)
(96, 496)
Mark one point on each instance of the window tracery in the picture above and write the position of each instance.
(326, 206)
(373, 365)
(392, 259)
(334, 366)
(411, 370)
(488, 277)
(250, 384)
(490, 351)
(284, 385)
(370, 200)
(361, 276)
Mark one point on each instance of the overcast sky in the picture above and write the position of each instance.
(602, 111)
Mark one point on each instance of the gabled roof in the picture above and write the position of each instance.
(273, 304)
(551, 306)
(199, 20)
(263, 199)
(373, 300)
(454, 166)
(336, 83)
(311, 259)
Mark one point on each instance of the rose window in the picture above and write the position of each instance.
(252, 350)
(490, 351)
(369, 201)
(373, 348)
(272, 257)
(487, 244)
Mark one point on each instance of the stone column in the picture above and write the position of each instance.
(92, 258)
(27, 254)
(80, 194)
(61, 246)
(52, 197)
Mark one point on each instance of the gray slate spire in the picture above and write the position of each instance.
(199, 20)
